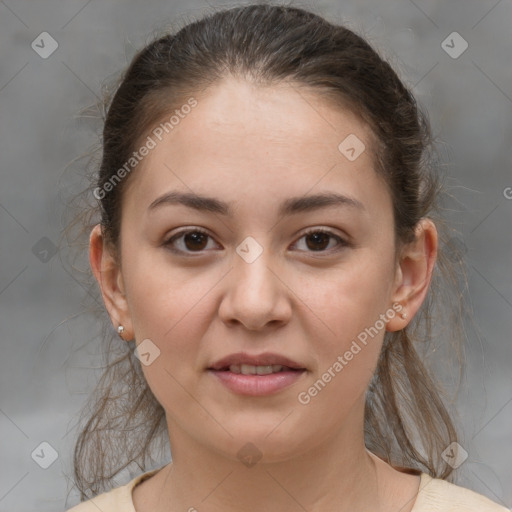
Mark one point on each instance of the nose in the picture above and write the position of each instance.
(255, 295)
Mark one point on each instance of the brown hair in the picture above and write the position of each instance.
(406, 422)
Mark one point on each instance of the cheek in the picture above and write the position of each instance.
(351, 297)
(172, 307)
(160, 293)
(173, 310)
(349, 306)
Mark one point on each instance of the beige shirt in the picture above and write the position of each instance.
(434, 495)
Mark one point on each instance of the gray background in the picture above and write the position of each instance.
(45, 371)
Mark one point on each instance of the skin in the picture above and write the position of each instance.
(256, 146)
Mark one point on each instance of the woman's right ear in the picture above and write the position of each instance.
(108, 274)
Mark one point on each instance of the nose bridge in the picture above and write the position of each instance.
(255, 294)
(252, 275)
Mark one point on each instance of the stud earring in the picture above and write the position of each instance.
(120, 331)
(403, 315)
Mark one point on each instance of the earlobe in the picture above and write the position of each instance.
(108, 275)
(414, 274)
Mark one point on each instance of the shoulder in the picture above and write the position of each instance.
(118, 499)
(111, 501)
(436, 495)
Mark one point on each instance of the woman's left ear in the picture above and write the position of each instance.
(414, 273)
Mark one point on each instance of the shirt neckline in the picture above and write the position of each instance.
(425, 479)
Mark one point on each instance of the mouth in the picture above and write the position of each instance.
(256, 375)
(259, 364)
(257, 381)
(249, 369)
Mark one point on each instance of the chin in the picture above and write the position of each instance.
(256, 446)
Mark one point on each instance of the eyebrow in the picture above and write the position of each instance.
(290, 206)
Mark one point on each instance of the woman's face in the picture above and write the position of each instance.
(255, 282)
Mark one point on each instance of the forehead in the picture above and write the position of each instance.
(244, 139)
(283, 113)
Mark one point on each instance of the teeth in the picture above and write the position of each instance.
(249, 369)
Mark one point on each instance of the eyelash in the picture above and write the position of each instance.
(341, 242)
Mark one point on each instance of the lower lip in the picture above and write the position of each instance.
(257, 385)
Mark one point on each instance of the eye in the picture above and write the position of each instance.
(196, 240)
(191, 240)
(317, 240)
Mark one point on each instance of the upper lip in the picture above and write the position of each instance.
(268, 358)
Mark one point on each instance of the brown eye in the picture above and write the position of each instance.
(192, 240)
(195, 241)
(318, 240)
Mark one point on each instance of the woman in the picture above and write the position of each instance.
(267, 246)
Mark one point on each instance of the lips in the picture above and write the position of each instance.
(256, 375)
(265, 359)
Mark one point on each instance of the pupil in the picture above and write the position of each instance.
(319, 237)
(196, 238)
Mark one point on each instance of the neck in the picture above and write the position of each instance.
(334, 473)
